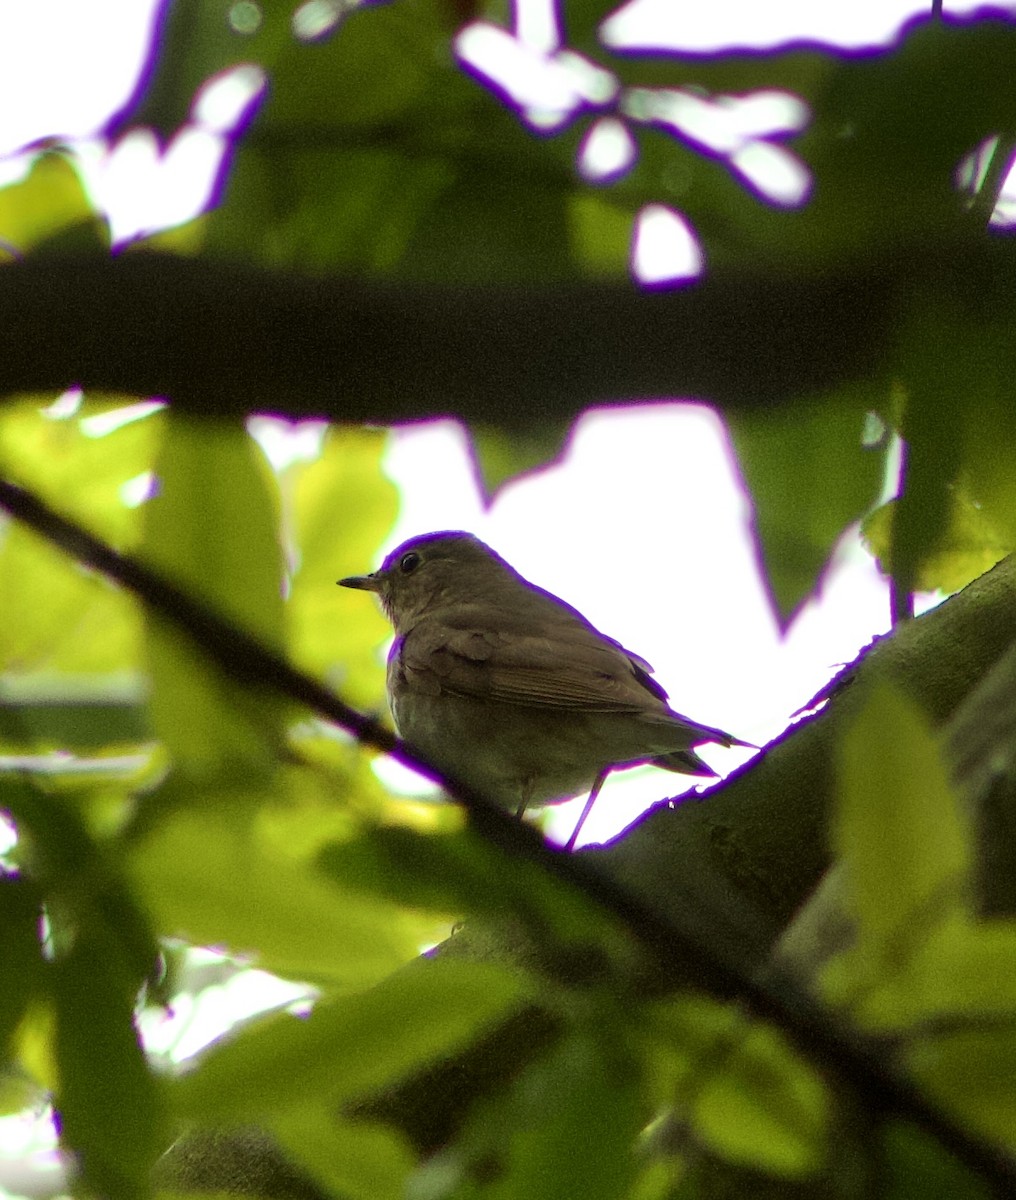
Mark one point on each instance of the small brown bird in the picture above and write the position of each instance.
(504, 686)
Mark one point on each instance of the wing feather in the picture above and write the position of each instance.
(572, 668)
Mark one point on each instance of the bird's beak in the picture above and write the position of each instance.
(366, 583)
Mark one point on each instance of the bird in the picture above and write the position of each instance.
(506, 687)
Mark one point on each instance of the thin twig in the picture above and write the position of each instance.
(995, 175)
(901, 595)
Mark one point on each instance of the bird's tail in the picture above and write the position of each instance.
(687, 762)
(684, 762)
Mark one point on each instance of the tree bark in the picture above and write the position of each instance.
(223, 338)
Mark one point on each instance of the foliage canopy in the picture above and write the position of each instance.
(404, 227)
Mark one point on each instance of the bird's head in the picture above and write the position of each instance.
(430, 571)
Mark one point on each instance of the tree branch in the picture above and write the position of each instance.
(220, 338)
(763, 831)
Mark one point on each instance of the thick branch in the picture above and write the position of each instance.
(223, 338)
(763, 832)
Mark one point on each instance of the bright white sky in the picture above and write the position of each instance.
(643, 525)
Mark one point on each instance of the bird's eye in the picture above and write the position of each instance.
(409, 562)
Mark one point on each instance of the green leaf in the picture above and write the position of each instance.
(583, 1093)
(20, 952)
(918, 1168)
(934, 367)
(19, 1092)
(350, 193)
(102, 952)
(93, 712)
(601, 233)
(681, 1034)
(970, 970)
(49, 201)
(374, 151)
(809, 477)
(81, 462)
(498, 457)
(970, 1073)
(59, 620)
(956, 365)
(80, 880)
(968, 547)
(214, 874)
(112, 1110)
(962, 971)
(195, 41)
(353, 1159)
(509, 222)
(350, 1046)
(451, 872)
(764, 1106)
(898, 830)
(339, 508)
(213, 530)
(447, 873)
(748, 1094)
(990, 441)
(460, 872)
(910, 121)
(661, 1179)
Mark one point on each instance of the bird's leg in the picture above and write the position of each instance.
(587, 807)
(526, 794)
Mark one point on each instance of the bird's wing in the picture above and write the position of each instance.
(570, 666)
